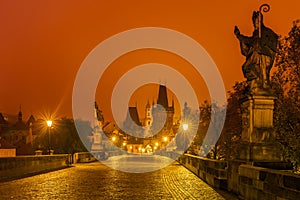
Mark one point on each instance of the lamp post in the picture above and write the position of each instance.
(156, 146)
(185, 127)
(165, 141)
(49, 124)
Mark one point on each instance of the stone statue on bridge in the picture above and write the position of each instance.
(259, 50)
(259, 144)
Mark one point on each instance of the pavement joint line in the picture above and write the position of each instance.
(179, 186)
(173, 189)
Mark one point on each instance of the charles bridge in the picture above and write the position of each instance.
(259, 172)
(190, 177)
(95, 180)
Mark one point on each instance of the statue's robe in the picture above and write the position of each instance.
(260, 54)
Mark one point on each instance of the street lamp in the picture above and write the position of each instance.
(165, 142)
(124, 145)
(49, 124)
(165, 139)
(185, 126)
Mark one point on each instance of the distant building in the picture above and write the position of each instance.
(20, 134)
(158, 112)
(132, 124)
(6, 149)
(148, 115)
(147, 133)
(3, 124)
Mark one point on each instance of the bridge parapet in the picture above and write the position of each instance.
(11, 167)
(243, 179)
(263, 183)
(214, 172)
(83, 157)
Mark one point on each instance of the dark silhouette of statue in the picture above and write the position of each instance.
(259, 50)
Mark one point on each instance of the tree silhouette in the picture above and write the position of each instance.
(286, 84)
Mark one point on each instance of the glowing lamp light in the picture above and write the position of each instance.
(165, 139)
(49, 123)
(113, 139)
(185, 127)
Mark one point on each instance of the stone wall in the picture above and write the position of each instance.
(263, 183)
(233, 175)
(12, 167)
(247, 181)
(214, 172)
(83, 157)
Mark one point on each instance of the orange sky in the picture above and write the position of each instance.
(43, 43)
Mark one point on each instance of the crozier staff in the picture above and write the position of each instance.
(259, 50)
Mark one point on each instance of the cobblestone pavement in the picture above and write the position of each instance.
(97, 181)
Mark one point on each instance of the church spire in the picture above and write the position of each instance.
(162, 96)
(20, 115)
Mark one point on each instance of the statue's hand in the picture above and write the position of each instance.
(236, 31)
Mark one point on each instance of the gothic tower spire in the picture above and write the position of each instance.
(20, 115)
(162, 96)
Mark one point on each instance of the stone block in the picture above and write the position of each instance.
(220, 183)
(274, 165)
(293, 194)
(195, 162)
(292, 181)
(246, 181)
(273, 179)
(262, 175)
(201, 165)
(258, 184)
(223, 174)
(248, 192)
(272, 189)
(249, 171)
(224, 184)
(220, 164)
(262, 111)
(204, 176)
(260, 152)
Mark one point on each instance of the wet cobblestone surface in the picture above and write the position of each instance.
(97, 181)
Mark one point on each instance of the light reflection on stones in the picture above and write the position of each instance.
(97, 181)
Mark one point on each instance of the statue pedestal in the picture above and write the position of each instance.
(259, 146)
(97, 146)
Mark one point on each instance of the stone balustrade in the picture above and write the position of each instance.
(263, 183)
(83, 157)
(214, 172)
(247, 181)
(11, 167)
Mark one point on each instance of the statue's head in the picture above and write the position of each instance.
(255, 19)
